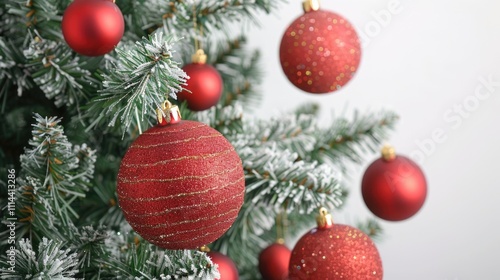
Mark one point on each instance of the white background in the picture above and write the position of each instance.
(428, 59)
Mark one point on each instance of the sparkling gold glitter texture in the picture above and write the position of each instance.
(336, 252)
(320, 52)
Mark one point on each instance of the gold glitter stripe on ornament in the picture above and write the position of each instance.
(184, 141)
(130, 214)
(168, 236)
(202, 177)
(205, 156)
(174, 131)
(161, 240)
(158, 198)
(164, 225)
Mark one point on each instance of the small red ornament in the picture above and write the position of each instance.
(394, 187)
(227, 268)
(181, 185)
(333, 251)
(204, 87)
(92, 27)
(320, 51)
(273, 262)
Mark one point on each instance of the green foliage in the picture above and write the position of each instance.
(55, 173)
(67, 193)
(143, 77)
(50, 262)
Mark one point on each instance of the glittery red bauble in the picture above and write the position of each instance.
(320, 52)
(205, 86)
(181, 186)
(273, 262)
(227, 268)
(92, 27)
(394, 190)
(337, 252)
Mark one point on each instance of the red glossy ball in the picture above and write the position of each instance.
(338, 252)
(320, 52)
(227, 268)
(92, 27)
(204, 86)
(394, 190)
(273, 262)
(181, 186)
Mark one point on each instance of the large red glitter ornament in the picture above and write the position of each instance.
(181, 185)
(394, 187)
(333, 251)
(92, 27)
(204, 87)
(273, 262)
(227, 268)
(320, 51)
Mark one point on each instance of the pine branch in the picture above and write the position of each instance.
(141, 17)
(60, 175)
(278, 178)
(227, 120)
(307, 109)
(212, 15)
(89, 243)
(59, 73)
(144, 75)
(50, 262)
(348, 140)
(239, 69)
(372, 228)
(13, 72)
(43, 16)
(140, 260)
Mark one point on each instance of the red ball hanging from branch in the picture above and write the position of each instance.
(181, 183)
(273, 262)
(320, 51)
(204, 87)
(227, 268)
(394, 187)
(333, 251)
(92, 27)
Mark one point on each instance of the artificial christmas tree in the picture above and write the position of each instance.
(62, 217)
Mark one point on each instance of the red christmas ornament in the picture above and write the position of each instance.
(227, 268)
(204, 87)
(273, 262)
(320, 51)
(334, 251)
(394, 187)
(180, 186)
(92, 27)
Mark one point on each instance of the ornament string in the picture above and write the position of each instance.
(281, 227)
(197, 44)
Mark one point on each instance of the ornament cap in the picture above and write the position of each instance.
(204, 249)
(310, 5)
(168, 114)
(388, 153)
(324, 219)
(199, 57)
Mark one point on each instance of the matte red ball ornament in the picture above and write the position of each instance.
(204, 87)
(334, 251)
(92, 27)
(273, 262)
(181, 185)
(320, 51)
(394, 187)
(227, 268)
